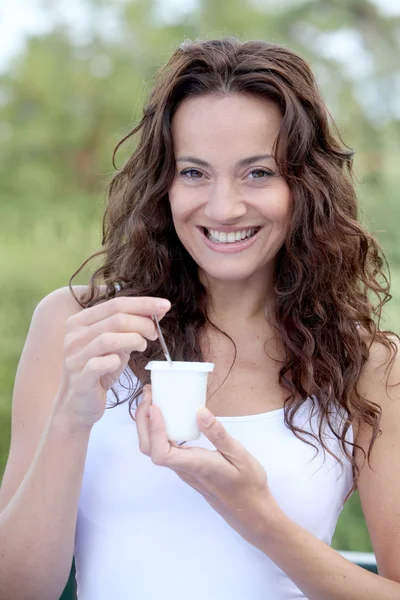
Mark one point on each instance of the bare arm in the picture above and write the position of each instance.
(318, 570)
(40, 488)
(38, 525)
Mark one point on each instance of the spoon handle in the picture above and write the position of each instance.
(162, 341)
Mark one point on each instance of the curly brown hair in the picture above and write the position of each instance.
(325, 271)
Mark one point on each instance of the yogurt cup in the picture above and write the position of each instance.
(179, 390)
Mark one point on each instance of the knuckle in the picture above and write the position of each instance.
(121, 321)
(148, 328)
(104, 341)
(203, 470)
(220, 433)
(157, 460)
(115, 305)
(139, 342)
(69, 363)
(70, 323)
(71, 342)
(68, 341)
(91, 365)
(144, 448)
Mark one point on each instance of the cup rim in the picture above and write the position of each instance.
(163, 365)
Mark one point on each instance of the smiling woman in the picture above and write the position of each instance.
(237, 193)
(235, 221)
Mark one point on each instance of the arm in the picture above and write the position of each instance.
(40, 488)
(37, 527)
(69, 362)
(318, 570)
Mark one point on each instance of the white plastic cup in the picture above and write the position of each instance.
(179, 391)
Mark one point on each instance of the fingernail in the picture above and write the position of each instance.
(164, 304)
(206, 416)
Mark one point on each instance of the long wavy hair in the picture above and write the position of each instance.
(325, 271)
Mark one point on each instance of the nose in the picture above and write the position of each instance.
(225, 205)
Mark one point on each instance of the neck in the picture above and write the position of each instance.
(239, 304)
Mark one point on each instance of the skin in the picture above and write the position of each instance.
(221, 131)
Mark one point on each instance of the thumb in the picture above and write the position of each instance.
(205, 417)
(218, 435)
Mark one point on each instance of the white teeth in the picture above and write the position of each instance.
(231, 237)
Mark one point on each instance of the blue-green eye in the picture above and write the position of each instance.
(194, 173)
(261, 173)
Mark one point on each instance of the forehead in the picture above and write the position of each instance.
(234, 122)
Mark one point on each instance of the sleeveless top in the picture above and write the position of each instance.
(143, 534)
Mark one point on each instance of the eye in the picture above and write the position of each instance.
(191, 173)
(260, 173)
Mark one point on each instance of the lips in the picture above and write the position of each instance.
(237, 234)
(228, 248)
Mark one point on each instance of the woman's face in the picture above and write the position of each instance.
(227, 187)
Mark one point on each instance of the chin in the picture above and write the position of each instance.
(228, 275)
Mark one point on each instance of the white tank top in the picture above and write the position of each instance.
(144, 534)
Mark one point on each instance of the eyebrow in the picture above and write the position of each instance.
(240, 163)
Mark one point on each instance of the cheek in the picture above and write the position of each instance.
(179, 212)
(183, 203)
(279, 207)
(175, 202)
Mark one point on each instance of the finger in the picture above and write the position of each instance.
(227, 445)
(166, 453)
(160, 447)
(162, 450)
(142, 421)
(122, 323)
(109, 343)
(119, 323)
(143, 305)
(99, 366)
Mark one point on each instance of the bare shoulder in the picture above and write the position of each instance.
(383, 365)
(62, 299)
(380, 370)
(60, 304)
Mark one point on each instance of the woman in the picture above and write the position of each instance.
(235, 220)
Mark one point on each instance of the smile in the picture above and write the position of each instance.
(232, 237)
(229, 242)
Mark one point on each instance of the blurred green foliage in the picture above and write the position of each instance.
(65, 103)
